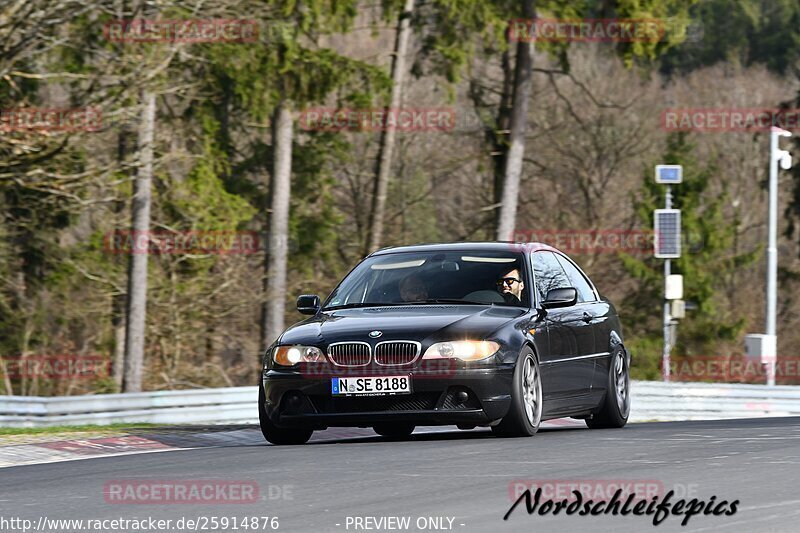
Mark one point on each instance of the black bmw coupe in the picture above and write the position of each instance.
(469, 334)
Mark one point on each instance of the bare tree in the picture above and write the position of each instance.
(137, 274)
(516, 149)
(386, 146)
(118, 300)
(278, 233)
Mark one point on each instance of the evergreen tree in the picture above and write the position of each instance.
(709, 264)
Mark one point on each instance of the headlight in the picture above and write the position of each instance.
(291, 355)
(464, 350)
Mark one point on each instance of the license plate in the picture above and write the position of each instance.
(371, 386)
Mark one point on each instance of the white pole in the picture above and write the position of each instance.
(772, 244)
(667, 343)
(667, 318)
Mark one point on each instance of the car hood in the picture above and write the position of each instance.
(423, 323)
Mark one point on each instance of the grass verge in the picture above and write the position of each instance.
(76, 429)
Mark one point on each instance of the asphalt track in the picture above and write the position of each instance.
(464, 476)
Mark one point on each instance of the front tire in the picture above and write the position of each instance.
(278, 435)
(616, 405)
(525, 414)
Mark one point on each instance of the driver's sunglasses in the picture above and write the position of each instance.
(508, 281)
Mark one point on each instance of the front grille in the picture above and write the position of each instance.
(396, 352)
(421, 401)
(349, 353)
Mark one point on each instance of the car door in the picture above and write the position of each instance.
(593, 314)
(566, 372)
(603, 323)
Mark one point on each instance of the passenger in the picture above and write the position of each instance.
(413, 289)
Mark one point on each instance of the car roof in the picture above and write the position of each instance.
(484, 246)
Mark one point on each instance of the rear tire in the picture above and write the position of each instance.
(525, 414)
(616, 405)
(278, 435)
(394, 431)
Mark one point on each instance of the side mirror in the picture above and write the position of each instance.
(308, 304)
(560, 298)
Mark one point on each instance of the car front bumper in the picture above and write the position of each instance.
(294, 399)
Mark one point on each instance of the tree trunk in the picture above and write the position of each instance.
(386, 147)
(516, 149)
(118, 300)
(118, 326)
(276, 253)
(137, 273)
(500, 147)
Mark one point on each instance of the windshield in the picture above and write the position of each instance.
(496, 278)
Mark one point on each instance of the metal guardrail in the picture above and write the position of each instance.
(232, 405)
(237, 405)
(710, 401)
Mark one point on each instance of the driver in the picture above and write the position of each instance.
(413, 289)
(510, 286)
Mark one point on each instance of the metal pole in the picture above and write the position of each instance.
(667, 347)
(772, 248)
(667, 318)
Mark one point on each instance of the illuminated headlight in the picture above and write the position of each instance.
(464, 350)
(291, 355)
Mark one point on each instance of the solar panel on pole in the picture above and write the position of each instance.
(667, 233)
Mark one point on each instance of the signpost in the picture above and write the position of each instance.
(667, 245)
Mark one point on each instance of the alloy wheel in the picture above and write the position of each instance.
(532, 392)
(621, 380)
